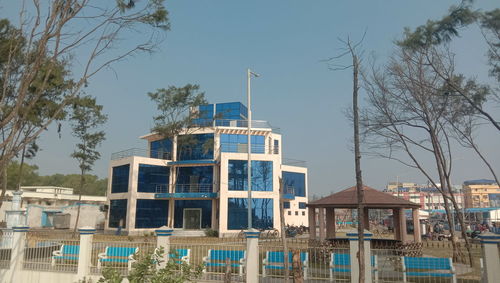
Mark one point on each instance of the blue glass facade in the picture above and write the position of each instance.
(199, 178)
(231, 110)
(239, 143)
(262, 175)
(195, 147)
(161, 149)
(119, 182)
(117, 212)
(262, 213)
(151, 213)
(297, 181)
(152, 177)
(206, 212)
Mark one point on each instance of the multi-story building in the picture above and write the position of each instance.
(429, 198)
(481, 193)
(198, 179)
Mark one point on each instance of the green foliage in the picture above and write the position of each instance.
(174, 105)
(211, 233)
(147, 269)
(440, 31)
(110, 275)
(30, 177)
(86, 116)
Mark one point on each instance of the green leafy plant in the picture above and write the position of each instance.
(149, 269)
(211, 233)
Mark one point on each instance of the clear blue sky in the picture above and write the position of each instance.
(211, 43)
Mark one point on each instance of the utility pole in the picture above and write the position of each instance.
(249, 148)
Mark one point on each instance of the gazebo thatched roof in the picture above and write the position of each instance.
(373, 199)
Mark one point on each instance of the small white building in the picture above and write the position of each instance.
(42, 203)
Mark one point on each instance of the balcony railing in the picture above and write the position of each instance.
(293, 162)
(243, 148)
(186, 188)
(141, 152)
(256, 124)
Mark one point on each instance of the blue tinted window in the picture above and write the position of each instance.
(302, 205)
(295, 181)
(195, 179)
(119, 182)
(161, 149)
(231, 111)
(286, 204)
(262, 213)
(206, 212)
(117, 212)
(151, 213)
(262, 175)
(152, 178)
(195, 147)
(239, 143)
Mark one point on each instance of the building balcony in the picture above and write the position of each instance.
(293, 162)
(141, 153)
(288, 193)
(235, 123)
(186, 191)
(243, 148)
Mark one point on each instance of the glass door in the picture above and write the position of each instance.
(192, 218)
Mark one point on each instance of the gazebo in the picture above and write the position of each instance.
(324, 210)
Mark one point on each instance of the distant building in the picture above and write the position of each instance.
(42, 203)
(481, 193)
(204, 184)
(429, 198)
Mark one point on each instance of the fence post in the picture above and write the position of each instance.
(354, 249)
(491, 257)
(17, 252)
(163, 241)
(84, 256)
(252, 260)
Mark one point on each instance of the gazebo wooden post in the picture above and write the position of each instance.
(312, 223)
(395, 223)
(321, 218)
(366, 219)
(330, 222)
(402, 224)
(416, 225)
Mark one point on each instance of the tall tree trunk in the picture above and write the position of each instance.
(21, 165)
(357, 162)
(3, 183)
(283, 233)
(82, 181)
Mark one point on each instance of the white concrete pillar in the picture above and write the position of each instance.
(252, 260)
(84, 256)
(163, 235)
(491, 257)
(17, 252)
(354, 250)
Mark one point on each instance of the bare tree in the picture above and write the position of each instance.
(351, 50)
(55, 51)
(408, 119)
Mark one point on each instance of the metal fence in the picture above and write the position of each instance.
(119, 255)
(5, 248)
(51, 252)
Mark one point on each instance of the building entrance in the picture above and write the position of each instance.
(192, 219)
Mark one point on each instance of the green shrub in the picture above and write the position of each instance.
(211, 233)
